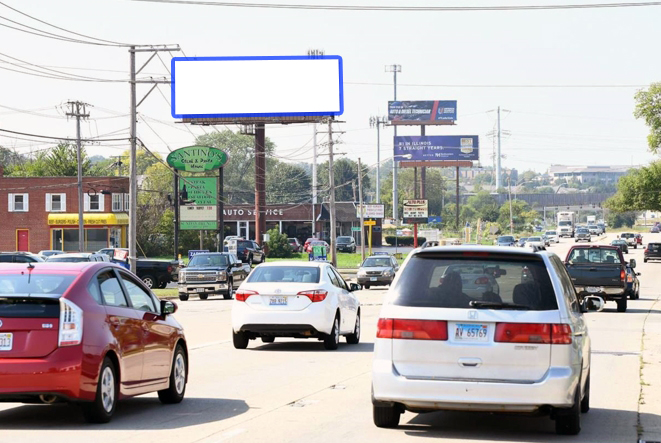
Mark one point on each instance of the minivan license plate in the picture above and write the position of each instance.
(471, 332)
(6, 340)
(278, 301)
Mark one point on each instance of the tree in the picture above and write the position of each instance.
(346, 175)
(639, 190)
(620, 219)
(485, 206)
(648, 107)
(287, 183)
(59, 161)
(10, 159)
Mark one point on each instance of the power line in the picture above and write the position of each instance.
(405, 8)
(50, 137)
(493, 85)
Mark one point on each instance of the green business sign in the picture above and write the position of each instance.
(197, 159)
(203, 213)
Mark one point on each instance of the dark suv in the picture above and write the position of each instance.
(250, 252)
(652, 252)
(19, 257)
(345, 244)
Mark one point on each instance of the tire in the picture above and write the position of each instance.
(332, 340)
(386, 416)
(178, 377)
(162, 285)
(103, 407)
(635, 246)
(585, 403)
(250, 261)
(638, 293)
(240, 340)
(268, 339)
(149, 281)
(366, 286)
(622, 305)
(183, 297)
(354, 338)
(568, 421)
(644, 260)
(230, 290)
(203, 296)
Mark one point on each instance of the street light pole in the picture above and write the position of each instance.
(378, 122)
(509, 180)
(395, 200)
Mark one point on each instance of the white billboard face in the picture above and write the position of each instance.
(227, 87)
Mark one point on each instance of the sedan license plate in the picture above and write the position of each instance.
(471, 332)
(373, 279)
(200, 289)
(6, 341)
(278, 301)
(593, 289)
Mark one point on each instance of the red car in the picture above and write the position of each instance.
(307, 247)
(89, 333)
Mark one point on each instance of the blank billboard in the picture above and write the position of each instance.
(230, 87)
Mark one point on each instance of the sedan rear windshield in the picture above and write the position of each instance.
(594, 255)
(284, 274)
(506, 239)
(433, 282)
(29, 307)
(38, 285)
(344, 239)
(551, 233)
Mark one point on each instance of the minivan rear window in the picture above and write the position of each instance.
(49, 285)
(454, 282)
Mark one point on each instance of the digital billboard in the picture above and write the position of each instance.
(433, 112)
(438, 147)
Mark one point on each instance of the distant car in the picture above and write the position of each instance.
(582, 234)
(231, 237)
(522, 242)
(594, 229)
(655, 229)
(552, 236)
(505, 240)
(377, 270)
(296, 245)
(431, 243)
(212, 273)
(49, 252)
(633, 284)
(547, 241)
(652, 252)
(307, 247)
(536, 242)
(602, 227)
(19, 257)
(250, 252)
(345, 244)
(538, 228)
(622, 244)
(78, 257)
(476, 279)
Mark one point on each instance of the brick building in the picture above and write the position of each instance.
(38, 213)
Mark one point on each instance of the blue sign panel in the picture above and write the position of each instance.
(193, 252)
(433, 112)
(438, 147)
(434, 219)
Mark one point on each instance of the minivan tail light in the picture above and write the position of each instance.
(315, 296)
(404, 329)
(242, 294)
(541, 333)
(71, 324)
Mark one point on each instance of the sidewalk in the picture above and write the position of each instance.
(649, 408)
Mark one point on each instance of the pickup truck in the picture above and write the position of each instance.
(154, 273)
(630, 238)
(212, 273)
(600, 270)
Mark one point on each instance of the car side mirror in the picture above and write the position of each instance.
(593, 303)
(168, 307)
(632, 263)
(638, 274)
(354, 287)
(237, 265)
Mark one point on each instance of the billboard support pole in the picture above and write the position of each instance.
(423, 172)
(260, 183)
(176, 215)
(456, 220)
(221, 214)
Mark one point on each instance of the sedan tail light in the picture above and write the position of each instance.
(533, 333)
(315, 296)
(482, 281)
(404, 329)
(242, 294)
(71, 324)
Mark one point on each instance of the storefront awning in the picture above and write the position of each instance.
(88, 219)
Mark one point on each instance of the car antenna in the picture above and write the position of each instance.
(30, 265)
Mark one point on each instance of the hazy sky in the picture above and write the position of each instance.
(466, 56)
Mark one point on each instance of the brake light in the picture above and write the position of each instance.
(482, 281)
(623, 274)
(403, 329)
(242, 295)
(169, 269)
(533, 333)
(71, 324)
(315, 296)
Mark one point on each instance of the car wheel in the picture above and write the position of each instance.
(366, 286)
(644, 260)
(203, 296)
(105, 402)
(268, 339)
(585, 403)
(568, 421)
(240, 340)
(162, 285)
(332, 340)
(250, 261)
(149, 281)
(183, 297)
(622, 305)
(386, 416)
(178, 377)
(230, 291)
(354, 338)
(635, 246)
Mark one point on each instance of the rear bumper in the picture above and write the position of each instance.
(59, 373)
(605, 292)
(555, 389)
(316, 318)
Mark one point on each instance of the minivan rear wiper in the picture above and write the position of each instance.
(498, 305)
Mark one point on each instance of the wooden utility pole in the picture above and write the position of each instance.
(78, 110)
(331, 182)
(260, 183)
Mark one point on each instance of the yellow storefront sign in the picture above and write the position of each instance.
(88, 219)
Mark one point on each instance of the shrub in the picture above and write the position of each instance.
(278, 245)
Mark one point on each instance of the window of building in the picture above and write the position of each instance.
(67, 239)
(126, 202)
(117, 202)
(56, 202)
(18, 203)
(94, 202)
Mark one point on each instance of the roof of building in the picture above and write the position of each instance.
(561, 169)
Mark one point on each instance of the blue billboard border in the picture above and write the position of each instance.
(277, 114)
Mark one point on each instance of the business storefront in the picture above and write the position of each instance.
(101, 231)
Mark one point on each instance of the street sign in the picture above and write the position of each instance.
(355, 229)
(194, 252)
(371, 211)
(197, 159)
(370, 222)
(434, 219)
(415, 211)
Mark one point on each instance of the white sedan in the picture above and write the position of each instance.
(535, 242)
(295, 299)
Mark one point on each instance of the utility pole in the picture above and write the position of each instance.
(498, 171)
(509, 179)
(260, 183)
(79, 110)
(378, 122)
(362, 216)
(331, 181)
(395, 200)
(314, 176)
(133, 172)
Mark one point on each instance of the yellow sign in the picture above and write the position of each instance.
(88, 219)
(370, 222)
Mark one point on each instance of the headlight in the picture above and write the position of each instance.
(387, 273)
(182, 277)
(221, 275)
(362, 274)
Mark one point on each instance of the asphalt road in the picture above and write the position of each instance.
(295, 391)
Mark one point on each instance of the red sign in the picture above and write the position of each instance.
(120, 254)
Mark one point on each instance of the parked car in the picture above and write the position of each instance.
(153, 273)
(250, 252)
(377, 270)
(630, 238)
(307, 247)
(652, 252)
(345, 244)
(633, 284)
(599, 270)
(522, 242)
(227, 239)
(622, 244)
(95, 322)
(77, 257)
(438, 348)
(655, 229)
(582, 234)
(19, 257)
(212, 273)
(296, 299)
(506, 240)
(296, 245)
(552, 236)
(49, 252)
